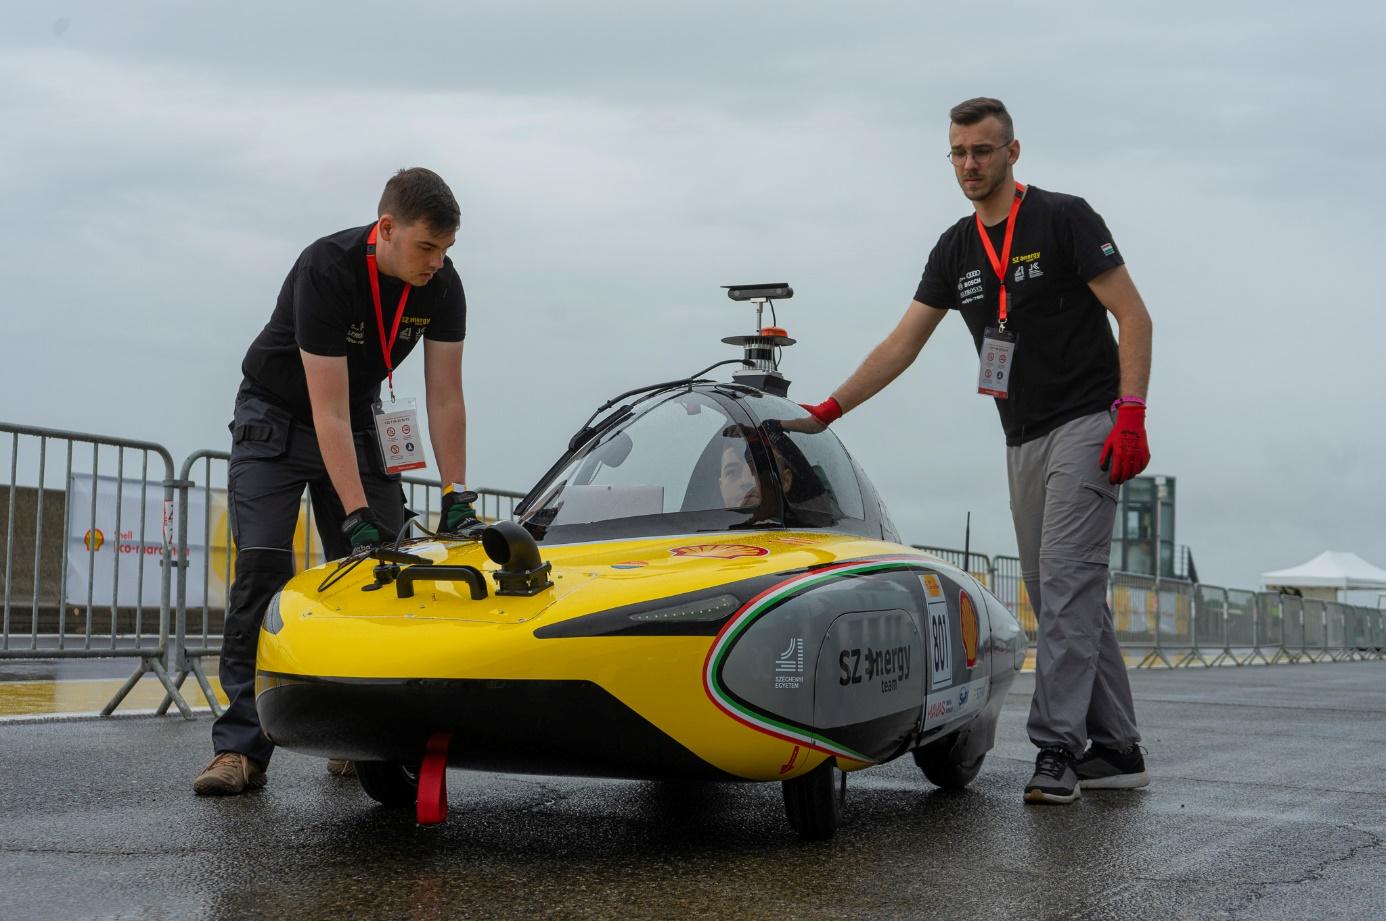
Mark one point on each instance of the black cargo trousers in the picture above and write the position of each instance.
(272, 459)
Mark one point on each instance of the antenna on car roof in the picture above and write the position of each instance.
(762, 347)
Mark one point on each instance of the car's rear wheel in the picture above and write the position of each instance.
(813, 802)
(389, 783)
(942, 768)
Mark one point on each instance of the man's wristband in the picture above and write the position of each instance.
(827, 412)
(1139, 401)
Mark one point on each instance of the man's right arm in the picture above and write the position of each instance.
(888, 360)
(327, 393)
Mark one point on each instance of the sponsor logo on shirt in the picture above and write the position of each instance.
(970, 287)
(1108, 249)
(1028, 257)
(356, 333)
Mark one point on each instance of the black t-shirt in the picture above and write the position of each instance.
(325, 308)
(1065, 355)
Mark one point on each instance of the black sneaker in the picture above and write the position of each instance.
(1108, 769)
(1055, 782)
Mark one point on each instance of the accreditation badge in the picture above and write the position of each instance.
(397, 433)
(997, 359)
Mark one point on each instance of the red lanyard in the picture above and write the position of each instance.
(997, 265)
(385, 346)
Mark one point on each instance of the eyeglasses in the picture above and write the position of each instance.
(981, 153)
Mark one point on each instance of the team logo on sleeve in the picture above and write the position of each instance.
(1108, 249)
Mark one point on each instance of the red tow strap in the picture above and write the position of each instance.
(432, 805)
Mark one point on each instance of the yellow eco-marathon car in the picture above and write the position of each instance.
(702, 587)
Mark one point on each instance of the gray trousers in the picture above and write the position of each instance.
(1064, 509)
(272, 460)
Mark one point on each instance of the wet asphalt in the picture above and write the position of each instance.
(1268, 801)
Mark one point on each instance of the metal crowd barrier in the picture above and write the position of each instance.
(109, 614)
(1174, 623)
(1242, 646)
(1136, 614)
(1009, 589)
(1301, 627)
(978, 565)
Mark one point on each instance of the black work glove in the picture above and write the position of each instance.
(364, 528)
(458, 512)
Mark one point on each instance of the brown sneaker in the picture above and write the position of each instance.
(340, 767)
(229, 774)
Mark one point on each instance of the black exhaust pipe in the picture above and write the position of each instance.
(522, 571)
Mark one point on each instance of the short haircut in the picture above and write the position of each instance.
(420, 194)
(974, 110)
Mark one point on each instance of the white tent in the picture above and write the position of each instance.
(1329, 570)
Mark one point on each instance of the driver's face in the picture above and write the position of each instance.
(737, 480)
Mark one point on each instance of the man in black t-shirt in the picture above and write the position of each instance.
(353, 306)
(1034, 274)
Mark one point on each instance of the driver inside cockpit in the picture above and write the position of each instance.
(736, 477)
(803, 494)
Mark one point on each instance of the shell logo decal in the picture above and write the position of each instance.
(791, 540)
(967, 613)
(720, 551)
(93, 539)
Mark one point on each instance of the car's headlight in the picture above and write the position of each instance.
(700, 613)
(703, 610)
(274, 621)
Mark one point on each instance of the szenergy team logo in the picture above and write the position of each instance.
(720, 551)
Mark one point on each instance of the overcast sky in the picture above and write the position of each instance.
(164, 164)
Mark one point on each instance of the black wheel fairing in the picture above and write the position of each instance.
(833, 658)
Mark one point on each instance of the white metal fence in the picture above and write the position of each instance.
(1175, 623)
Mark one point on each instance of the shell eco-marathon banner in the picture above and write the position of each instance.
(114, 542)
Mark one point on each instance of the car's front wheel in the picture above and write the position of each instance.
(390, 783)
(813, 802)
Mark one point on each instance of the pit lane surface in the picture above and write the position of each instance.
(1268, 802)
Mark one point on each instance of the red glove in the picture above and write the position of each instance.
(826, 412)
(1126, 451)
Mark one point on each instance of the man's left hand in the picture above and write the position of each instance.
(1126, 451)
(458, 511)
